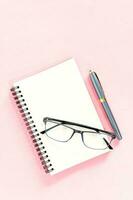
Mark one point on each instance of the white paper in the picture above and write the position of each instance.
(60, 92)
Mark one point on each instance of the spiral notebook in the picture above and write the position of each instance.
(58, 92)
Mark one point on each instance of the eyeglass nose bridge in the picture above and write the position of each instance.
(81, 133)
(78, 131)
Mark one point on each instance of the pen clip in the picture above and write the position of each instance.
(100, 84)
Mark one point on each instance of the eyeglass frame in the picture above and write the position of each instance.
(65, 123)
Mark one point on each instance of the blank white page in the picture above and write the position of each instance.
(60, 92)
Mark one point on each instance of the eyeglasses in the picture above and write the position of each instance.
(63, 131)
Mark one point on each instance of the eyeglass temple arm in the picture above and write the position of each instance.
(72, 123)
(46, 130)
(109, 146)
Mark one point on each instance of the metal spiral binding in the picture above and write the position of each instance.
(42, 153)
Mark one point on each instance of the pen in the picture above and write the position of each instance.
(100, 93)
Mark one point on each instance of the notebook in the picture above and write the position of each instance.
(60, 93)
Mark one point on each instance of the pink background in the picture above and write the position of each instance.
(35, 35)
